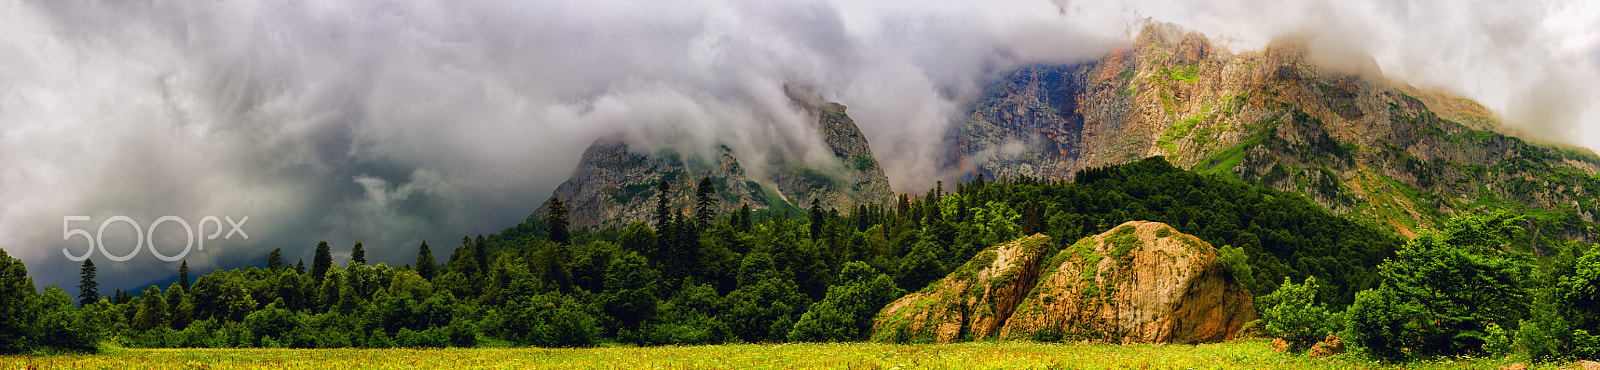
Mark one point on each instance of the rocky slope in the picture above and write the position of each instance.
(1142, 282)
(615, 185)
(1360, 145)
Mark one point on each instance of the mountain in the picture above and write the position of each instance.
(615, 184)
(1360, 146)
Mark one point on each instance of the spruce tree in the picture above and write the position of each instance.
(300, 266)
(558, 222)
(704, 214)
(358, 254)
(744, 218)
(275, 260)
(480, 253)
(663, 213)
(816, 219)
(88, 289)
(183, 274)
(321, 261)
(427, 266)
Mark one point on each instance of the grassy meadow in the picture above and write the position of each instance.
(1252, 354)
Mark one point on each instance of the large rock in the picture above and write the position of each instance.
(1141, 282)
(971, 303)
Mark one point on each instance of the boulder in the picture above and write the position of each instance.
(972, 302)
(1141, 282)
(1329, 346)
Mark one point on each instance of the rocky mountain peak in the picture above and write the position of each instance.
(1282, 117)
(614, 184)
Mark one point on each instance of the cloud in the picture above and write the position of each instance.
(393, 122)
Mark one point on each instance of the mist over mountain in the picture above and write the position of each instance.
(395, 122)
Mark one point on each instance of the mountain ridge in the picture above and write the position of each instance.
(614, 184)
(1385, 153)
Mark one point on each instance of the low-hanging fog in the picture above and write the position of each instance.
(393, 122)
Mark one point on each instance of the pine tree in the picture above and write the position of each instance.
(358, 254)
(704, 215)
(427, 266)
(663, 213)
(744, 217)
(558, 222)
(816, 219)
(480, 253)
(321, 261)
(183, 274)
(88, 289)
(275, 260)
(300, 266)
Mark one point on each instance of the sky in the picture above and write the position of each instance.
(394, 122)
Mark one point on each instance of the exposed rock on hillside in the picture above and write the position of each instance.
(1353, 142)
(971, 303)
(615, 185)
(1142, 282)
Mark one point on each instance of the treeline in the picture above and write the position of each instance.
(701, 277)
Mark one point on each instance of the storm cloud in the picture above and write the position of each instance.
(391, 122)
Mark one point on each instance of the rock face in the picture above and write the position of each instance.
(1347, 138)
(1141, 282)
(615, 185)
(971, 303)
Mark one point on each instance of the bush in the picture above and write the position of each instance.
(548, 320)
(845, 314)
(1293, 314)
(62, 327)
(689, 318)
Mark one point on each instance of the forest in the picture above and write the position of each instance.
(1475, 287)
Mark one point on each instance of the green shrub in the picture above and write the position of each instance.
(846, 313)
(1293, 314)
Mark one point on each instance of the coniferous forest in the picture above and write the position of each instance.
(1477, 286)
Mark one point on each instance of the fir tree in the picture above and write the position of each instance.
(816, 219)
(558, 222)
(480, 253)
(321, 261)
(275, 260)
(358, 254)
(88, 289)
(704, 215)
(300, 266)
(427, 266)
(183, 274)
(663, 212)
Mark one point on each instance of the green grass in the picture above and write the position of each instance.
(1248, 354)
(1178, 131)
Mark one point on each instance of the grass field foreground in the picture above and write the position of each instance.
(1253, 354)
